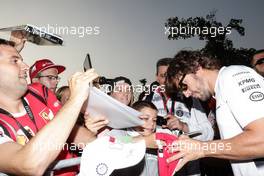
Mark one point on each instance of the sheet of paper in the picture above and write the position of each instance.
(119, 115)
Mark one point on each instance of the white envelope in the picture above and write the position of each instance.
(118, 114)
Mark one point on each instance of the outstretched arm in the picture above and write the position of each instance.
(42, 149)
(247, 145)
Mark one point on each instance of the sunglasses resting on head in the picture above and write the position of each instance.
(182, 87)
(260, 61)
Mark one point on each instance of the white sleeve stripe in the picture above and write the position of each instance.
(12, 128)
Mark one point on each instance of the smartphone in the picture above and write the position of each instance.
(87, 64)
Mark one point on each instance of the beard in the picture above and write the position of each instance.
(205, 96)
(203, 93)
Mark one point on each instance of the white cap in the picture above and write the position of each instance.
(102, 156)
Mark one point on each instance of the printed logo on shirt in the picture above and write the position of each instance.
(179, 113)
(21, 138)
(101, 169)
(46, 114)
(250, 87)
(246, 81)
(248, 84)
(256, 96)
(240, 73)
(56, 104)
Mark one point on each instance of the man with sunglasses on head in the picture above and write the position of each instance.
(239, 94)
(257, 62)
(44, 71)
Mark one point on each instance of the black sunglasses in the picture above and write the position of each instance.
(260, 61)
(182, 87)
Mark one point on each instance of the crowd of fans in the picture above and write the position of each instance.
(192, 93)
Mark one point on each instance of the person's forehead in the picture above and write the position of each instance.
(149, 110)
(66, 91)
(163, 68)
(8, 50)
(122, 84)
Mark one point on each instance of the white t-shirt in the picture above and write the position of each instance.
(239, 93)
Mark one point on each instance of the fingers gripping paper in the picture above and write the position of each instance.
(118, 114)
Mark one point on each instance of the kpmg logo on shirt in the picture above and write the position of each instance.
(248, 84)
(256, 96)
(246, 81)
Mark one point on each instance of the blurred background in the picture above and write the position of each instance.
(123, 37)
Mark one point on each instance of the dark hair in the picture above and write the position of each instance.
(144, 104)
(162, 62)
(60, 91)
(6, 42)
(122, 78)
(117, 79)
(187, 61)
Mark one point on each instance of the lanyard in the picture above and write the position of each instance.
(30, 114)
(164, 100)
